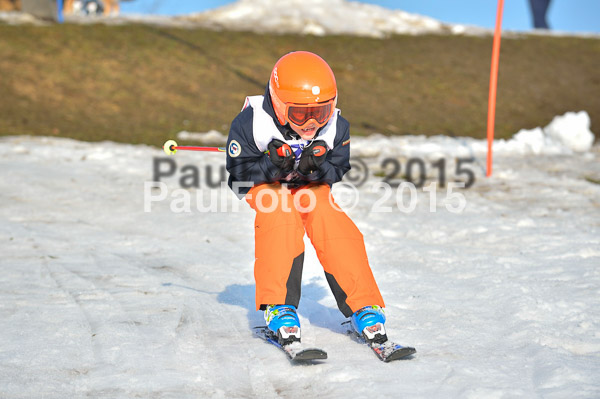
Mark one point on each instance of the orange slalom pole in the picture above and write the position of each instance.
(494, 85)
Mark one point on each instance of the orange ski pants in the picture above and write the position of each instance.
(282, 217)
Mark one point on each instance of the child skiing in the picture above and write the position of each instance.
(284, 151)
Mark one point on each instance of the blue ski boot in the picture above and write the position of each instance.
(369, 323)
(283, 321)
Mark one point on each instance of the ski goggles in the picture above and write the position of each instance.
(300, 114)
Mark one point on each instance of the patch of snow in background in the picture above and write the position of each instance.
(314, 17)
(565, 134)
(572, 130)
(19, 18)
(318, 17)
(210, 137)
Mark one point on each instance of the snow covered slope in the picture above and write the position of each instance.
(99, 298)
(320, 17)
(316, 17)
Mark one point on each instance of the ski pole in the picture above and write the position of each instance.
(170, 147)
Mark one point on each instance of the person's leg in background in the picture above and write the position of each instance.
(539, 10)
(68, 6)
(111, 7)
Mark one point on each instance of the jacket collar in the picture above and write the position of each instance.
(285, 130)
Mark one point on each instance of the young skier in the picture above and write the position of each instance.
(284, 151)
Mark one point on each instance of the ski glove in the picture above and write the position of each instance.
(312, 157)
(281, 155)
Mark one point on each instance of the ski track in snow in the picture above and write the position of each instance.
(101, 299)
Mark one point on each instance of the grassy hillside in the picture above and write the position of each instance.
(142, 84)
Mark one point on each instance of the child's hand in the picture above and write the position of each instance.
(312, 157)
(281, 155)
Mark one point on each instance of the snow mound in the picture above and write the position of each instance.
(315, 17)
(565, 134)
(320, 17)
(572, 130)
(19, 18)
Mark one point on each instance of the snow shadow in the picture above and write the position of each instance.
(309, 308)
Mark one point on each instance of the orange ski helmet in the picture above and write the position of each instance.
(303, 89)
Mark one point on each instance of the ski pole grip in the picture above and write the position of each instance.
(284, 151)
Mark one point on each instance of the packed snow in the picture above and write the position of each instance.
(113, 289)
(100, 298)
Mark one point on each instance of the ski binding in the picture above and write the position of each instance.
(386, 351)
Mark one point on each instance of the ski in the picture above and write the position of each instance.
(387, 351)
(295, 351)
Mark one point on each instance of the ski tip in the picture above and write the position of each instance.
(403, 353)
(310, 354)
